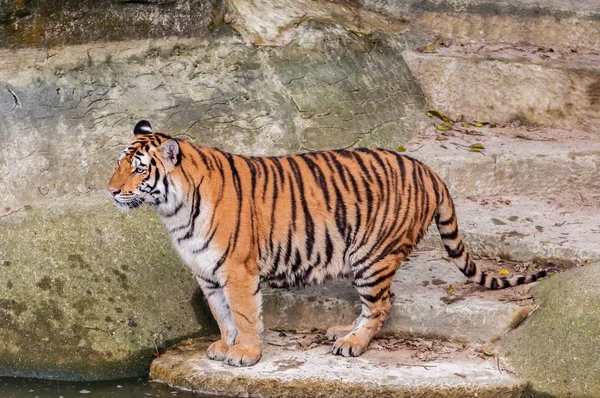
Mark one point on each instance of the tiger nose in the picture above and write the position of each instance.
(113, 192)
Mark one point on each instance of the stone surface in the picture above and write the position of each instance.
(286, 370)
(557, 348)
(277, 22)
(423, 308)
(50, 23)
(562, 229)
(87, 290)
(574, 24)
(514, 161)
(501, 83)
(66, 114)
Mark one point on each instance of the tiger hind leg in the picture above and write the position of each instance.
(377, 300)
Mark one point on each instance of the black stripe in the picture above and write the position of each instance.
(446, 222)
(377, 281)
(373, 299)
(328, 248)
(450, 235)
(175, 211)
(455, 253)
(288, 249)
(309, 225)
(237, 184)
(205, 245)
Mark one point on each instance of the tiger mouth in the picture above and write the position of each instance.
(129, 203)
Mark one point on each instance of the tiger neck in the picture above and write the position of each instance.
(188, 204)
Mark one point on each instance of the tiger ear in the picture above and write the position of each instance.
(142, 127)
(170, 152)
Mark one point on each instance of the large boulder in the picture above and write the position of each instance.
(88, 290)
(557, 349)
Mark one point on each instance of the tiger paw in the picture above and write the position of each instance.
(335, 332)
(217, 350)
(349, 346)
(243, 355)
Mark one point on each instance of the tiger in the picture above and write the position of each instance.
(291, 221)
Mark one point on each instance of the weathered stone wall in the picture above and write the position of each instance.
(562, 23)
(87, 289)
(66, 115)
(48, 23)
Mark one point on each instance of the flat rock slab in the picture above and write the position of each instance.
(547, 87)
(512, 161)
(562, 229)
(288, 370)
(422, 308)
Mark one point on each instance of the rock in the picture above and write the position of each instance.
(55, 22)
(557, 348)
(278, 22)
(502, 84)
(559, 230)
(65, 118)
(543, 23)
(87, 290)
(288, 369)
(421, 308)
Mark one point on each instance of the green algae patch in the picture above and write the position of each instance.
(557, 348)
(91, 292)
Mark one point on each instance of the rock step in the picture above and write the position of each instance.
(287, 370)
(513, 161)
(544, 23)
(552, 228)
(423, 306)
(551, 87)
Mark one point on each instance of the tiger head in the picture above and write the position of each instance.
(143, 167)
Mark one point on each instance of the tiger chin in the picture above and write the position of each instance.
(290, 220)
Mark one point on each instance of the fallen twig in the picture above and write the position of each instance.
(416, 365)
(98, 329)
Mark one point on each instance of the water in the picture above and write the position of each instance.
(11, 387)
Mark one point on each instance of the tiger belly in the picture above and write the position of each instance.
(288, 263)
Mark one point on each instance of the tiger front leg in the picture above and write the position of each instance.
(337, 331)
(215, 295)
(245, 300)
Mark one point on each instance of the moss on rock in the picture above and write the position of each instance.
(89, 290)
(558, 348)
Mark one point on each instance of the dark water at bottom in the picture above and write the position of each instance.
(129, 388)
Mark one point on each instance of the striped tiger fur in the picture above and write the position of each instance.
(290, 220)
